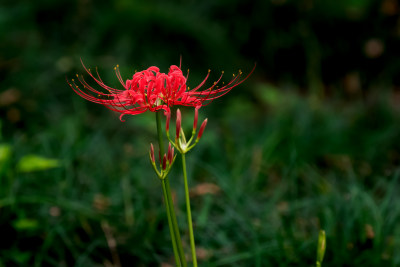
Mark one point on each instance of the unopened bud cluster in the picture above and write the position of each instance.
(166, 161)
(180, 139)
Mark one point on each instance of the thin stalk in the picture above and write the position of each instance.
(189, 213)
(171, 229)
(173, 224)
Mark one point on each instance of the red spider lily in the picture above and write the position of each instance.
(152, 90)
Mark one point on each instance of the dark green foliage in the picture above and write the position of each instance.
(310, 142)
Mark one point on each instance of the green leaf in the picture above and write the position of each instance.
(31, 163)
(321, 247)
(5, 155)
(269, 94)
(275, 97)
(25, 224)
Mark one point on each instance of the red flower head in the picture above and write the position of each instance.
(152, 90)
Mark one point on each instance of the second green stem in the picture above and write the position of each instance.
(188, 211)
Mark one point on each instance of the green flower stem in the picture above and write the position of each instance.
(188, 211)
(173, 224)
(171, 229)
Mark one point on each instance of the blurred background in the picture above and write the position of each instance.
(310, 141)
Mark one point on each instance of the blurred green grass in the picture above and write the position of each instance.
(309, 142)
(280, 176)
